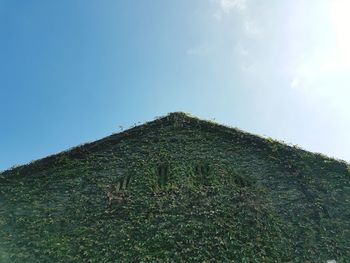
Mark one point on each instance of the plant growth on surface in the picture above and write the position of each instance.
(177, 189)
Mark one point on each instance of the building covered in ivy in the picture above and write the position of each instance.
(177, 189)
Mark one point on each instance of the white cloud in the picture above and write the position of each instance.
(249, 26)
(225, 7)
(245, 59)
(251, 29)
(228, 5)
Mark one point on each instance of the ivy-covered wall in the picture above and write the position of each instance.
(177, 189)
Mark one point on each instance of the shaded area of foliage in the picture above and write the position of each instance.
(177, 190)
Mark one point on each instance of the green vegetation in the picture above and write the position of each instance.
(177, 189)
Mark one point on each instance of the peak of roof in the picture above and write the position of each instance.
(179, 115)
(179, 118)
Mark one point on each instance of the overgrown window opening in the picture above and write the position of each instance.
(125, 182)
(116, 191)
(117, 186)
(163, 174)
(122, 184)
(203, 171)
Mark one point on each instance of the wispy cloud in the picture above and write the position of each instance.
(228, 5)
(225, 7)
(251, 29)
(246, 62)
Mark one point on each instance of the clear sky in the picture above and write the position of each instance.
(73, 71)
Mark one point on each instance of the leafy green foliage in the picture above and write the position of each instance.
(177, 190)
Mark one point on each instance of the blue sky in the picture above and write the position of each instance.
(74, 71)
